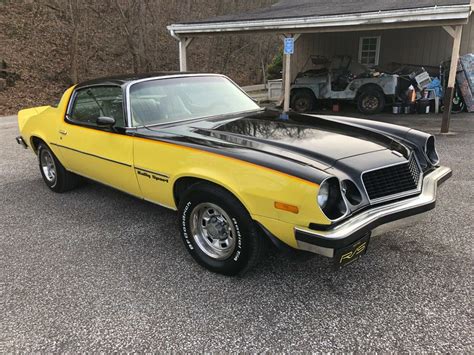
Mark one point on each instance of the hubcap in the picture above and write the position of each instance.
(213, 231)
(48, 166)
(370, 103)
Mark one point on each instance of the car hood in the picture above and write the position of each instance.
(310, 140)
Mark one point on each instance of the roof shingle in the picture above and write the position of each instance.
(317, 8)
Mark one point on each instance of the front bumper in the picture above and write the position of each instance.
(375, 220)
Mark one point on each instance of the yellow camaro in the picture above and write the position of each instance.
(237, 174)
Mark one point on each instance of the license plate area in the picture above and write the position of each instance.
(350, 254)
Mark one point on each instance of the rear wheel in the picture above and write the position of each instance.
(56, 177)
(218, 231)
(458, 105)
(371, 101)
(303, 101)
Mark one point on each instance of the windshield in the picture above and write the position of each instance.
(171, 100)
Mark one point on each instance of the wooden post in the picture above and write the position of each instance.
(448, 95)
(286, 106)
(287, 75)
(183, 56)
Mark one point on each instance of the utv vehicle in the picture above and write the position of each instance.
(343, 79)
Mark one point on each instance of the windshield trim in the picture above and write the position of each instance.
(176, 76)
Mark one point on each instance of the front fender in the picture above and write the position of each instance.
(258, 189)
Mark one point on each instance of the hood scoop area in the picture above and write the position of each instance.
(256, 144)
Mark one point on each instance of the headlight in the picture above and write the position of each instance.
(323, 195)
(330, 199)
(352, 193)
(430, 151)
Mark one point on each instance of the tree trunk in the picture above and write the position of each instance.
(74, 45)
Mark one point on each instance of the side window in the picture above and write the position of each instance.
(91, 103)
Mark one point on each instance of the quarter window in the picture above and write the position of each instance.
(369, 50)
(94, 102)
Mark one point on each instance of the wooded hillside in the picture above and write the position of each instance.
(51, 44)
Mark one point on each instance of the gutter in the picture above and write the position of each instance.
(437, 13)
(173, 34)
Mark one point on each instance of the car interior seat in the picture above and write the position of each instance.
(146, 112)
(173, 107)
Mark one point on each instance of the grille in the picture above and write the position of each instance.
(392, 180)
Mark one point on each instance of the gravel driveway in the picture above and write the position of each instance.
(97, 270)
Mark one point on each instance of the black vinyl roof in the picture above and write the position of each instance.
(126, 78)
(316, 8)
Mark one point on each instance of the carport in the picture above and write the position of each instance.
(305, 19)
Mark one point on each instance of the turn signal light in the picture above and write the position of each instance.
(285, 207)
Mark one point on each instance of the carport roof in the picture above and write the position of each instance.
(313, 14)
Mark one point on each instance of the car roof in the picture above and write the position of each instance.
(126, 78)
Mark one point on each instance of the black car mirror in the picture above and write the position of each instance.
(104, 121)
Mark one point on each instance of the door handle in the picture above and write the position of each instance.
(63, 132)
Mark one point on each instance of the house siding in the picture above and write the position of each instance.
(427, 46)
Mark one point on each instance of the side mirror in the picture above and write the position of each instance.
(105, 121)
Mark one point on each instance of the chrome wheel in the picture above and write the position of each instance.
(48, 166)
(213, 231)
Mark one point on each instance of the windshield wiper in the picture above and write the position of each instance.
(204, 118)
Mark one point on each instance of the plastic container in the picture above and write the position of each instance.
(407, 109)
(397, 108)
(424, 106)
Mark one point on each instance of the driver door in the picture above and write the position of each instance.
(104, 154)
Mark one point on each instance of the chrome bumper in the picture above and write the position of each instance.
(377, 220)
(21, 142)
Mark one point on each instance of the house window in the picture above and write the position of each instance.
(369, 50)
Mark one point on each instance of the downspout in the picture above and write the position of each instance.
(182, 51)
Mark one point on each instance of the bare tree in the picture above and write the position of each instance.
(74, 15)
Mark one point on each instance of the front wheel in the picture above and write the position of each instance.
(218, 231)
(371, 101)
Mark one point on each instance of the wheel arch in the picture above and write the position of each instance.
(369, 86)
(295, 90)
(35, 141)
(185, 182)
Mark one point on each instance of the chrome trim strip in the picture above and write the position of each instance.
(328, 252)
(384, 228)
(352, 225)
(400, 194)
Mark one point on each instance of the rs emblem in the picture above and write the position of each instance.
(348, 256)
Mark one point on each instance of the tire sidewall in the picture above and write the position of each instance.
(52, 185)
(245, 232)
(307, 98)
